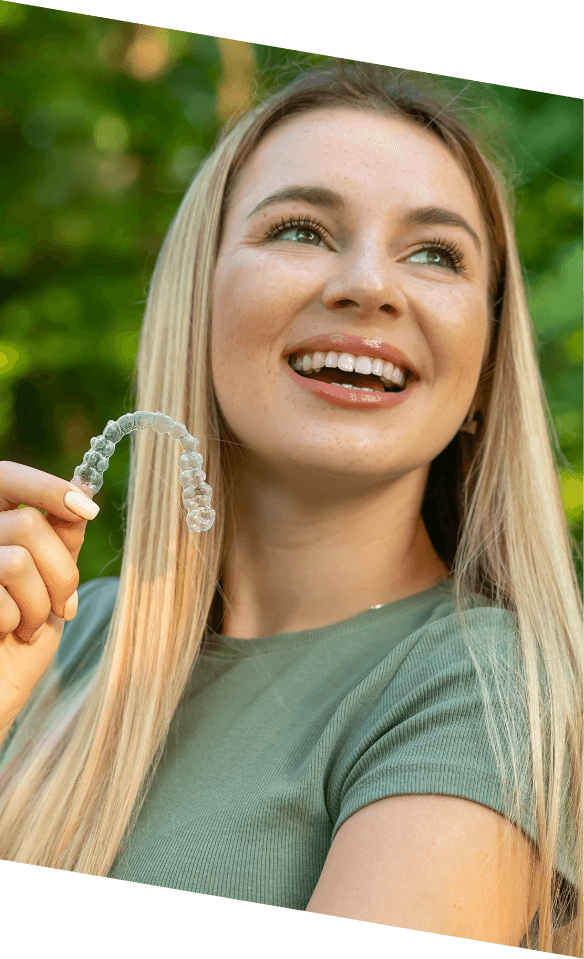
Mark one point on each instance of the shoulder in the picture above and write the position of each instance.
(434, 863)
(458, 649)
(421, 781)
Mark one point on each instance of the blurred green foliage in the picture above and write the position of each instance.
(102, 126)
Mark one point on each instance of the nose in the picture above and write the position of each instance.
(364, 283)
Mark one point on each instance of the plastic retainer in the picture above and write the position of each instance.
(196, 495)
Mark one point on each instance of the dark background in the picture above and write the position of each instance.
(102, 126)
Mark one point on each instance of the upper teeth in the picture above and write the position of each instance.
(350, 364)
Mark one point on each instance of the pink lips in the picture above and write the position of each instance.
(350, 399)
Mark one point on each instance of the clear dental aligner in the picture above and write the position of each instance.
(196, 495)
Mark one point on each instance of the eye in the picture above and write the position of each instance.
(451, 255)
(301, 227)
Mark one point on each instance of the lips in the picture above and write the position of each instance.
(358, 346)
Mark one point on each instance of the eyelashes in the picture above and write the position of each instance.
(448, 248)
(307, 223)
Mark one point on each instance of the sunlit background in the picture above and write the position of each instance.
(103, 125)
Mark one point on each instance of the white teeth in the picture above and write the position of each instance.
(349, 386)
(367, 365)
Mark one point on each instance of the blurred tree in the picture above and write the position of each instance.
(102, 126)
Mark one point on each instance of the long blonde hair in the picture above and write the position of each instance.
(75, 775)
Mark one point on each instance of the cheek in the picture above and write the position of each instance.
(230, 317)
(229, 363)
(252, 303)
(456, 334)
(457, 330)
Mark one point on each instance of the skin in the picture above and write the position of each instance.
(328, 500)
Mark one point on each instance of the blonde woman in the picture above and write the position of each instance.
(359, 693)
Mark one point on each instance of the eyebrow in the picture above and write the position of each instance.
(333, 201)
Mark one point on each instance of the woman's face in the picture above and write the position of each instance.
(363, 272)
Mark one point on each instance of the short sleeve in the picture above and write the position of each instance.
(428, 732)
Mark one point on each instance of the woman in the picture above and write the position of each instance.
(377, 714)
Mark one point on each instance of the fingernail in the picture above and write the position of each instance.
(70, 610)
(35, 636)
(81, 505)
(27, 637)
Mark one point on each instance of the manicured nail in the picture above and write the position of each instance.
(70, 610)
(81, 505)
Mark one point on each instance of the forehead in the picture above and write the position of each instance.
(372, 158)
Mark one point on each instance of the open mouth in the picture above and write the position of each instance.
(363, 381)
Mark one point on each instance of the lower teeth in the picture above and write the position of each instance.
(349, 386)
(364, 389)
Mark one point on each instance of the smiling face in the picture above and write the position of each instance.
(362, 269)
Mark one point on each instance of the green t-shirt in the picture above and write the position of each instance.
(278, 740)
